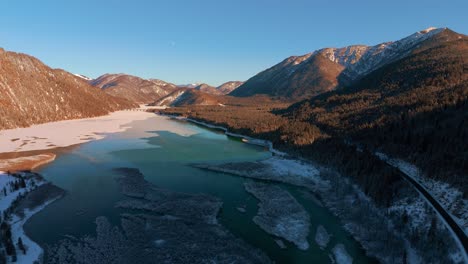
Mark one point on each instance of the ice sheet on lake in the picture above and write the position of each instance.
(322, 237)
(280, 214)
(278, 169)
(341, 255)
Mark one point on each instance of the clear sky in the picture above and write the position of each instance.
(210, 41)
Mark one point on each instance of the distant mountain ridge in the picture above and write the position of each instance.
(188, 96)
(147, 91)
(223, 89)
(33, 93)
(133, 88)
(327, 69)
(197, 94)
(206, 88)
(228, 87)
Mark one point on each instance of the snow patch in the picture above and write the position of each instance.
(291, 167)
(83, 77)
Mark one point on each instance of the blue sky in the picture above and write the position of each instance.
(206, 40)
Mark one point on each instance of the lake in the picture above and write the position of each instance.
(164, 157)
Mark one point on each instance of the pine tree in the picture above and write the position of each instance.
(3, 259)
(9, 247)
(22, 183)
(13, 256)
(432, 232)
(21, 245)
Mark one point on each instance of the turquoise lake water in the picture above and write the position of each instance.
(163, 157)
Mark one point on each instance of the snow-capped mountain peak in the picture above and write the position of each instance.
(384, 53)
(330, 68)
(359, 60)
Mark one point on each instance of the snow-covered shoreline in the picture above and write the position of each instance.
(18, 204)
(34, 252)
(68, 132)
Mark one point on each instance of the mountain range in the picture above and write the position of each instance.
(61, 95)
(300, 77)
(133, 88)
(188, 96)
(152, 91)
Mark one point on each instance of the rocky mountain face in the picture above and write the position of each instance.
(188, 96)
(133, 88)
(300, 77)
(33, 93)
(382, 54)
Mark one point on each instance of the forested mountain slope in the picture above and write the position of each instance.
(415, 108)
(33, 93)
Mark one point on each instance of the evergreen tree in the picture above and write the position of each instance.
(21, 245)
(13, 256)
(22, 183)
(3, 259)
